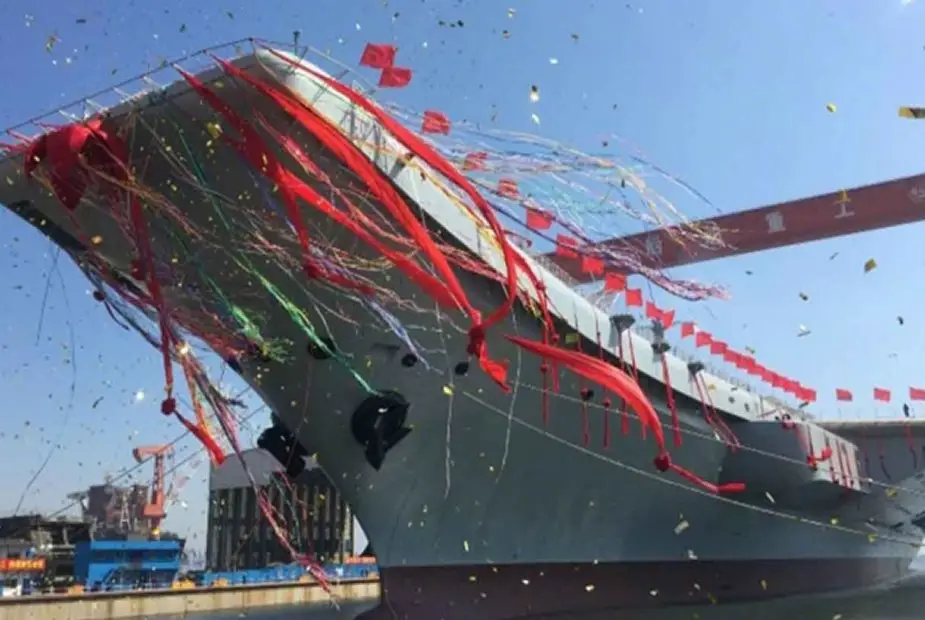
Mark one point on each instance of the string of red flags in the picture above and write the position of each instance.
(538, 221)
(879, 394)
(381, 56)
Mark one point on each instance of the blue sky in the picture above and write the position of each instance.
(729, 96)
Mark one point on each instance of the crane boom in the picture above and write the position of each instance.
(845, 212)
(155, 509)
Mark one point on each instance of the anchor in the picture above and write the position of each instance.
(378, 424)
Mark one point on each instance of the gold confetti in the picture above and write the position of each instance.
(96, 240)
(447, 390)
(870, 265)
(681, 526)
(466, 545)
(571, 338)
(831, 107)
(534, 93)
(906, 112)
(589, 587)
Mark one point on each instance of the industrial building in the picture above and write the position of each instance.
(310, 510)
(53, 540)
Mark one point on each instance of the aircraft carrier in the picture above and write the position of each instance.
(481, 503)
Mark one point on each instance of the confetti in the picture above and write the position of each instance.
(916, 113)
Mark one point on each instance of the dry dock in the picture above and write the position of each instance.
(142, 604)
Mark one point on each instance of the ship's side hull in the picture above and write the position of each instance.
(495, 505)
(493, 513)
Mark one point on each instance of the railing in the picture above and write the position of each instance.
(644, 330)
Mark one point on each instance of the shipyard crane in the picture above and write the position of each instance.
(154, 510)
(80, 498)
(840, 213)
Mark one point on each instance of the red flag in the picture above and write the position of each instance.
(687, 329)
(717, 347)
(378, 55)
(809, 395)
(566, 246)
(592, 265)
(882, 395)
(475, 161)
(634, 297)
(702, 339)
(507, 188)
(844, 396)
(667, 318)
(538, 220)
(435, 122)
(395, 77)
(916, 394)
(653, 311)
(614, 282)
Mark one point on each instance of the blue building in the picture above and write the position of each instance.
(127, 564)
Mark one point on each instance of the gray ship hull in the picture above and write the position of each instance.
(490, 508)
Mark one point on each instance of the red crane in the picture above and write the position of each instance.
(845, 212)
(155, 509)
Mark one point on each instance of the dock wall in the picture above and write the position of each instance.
(112, 605)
